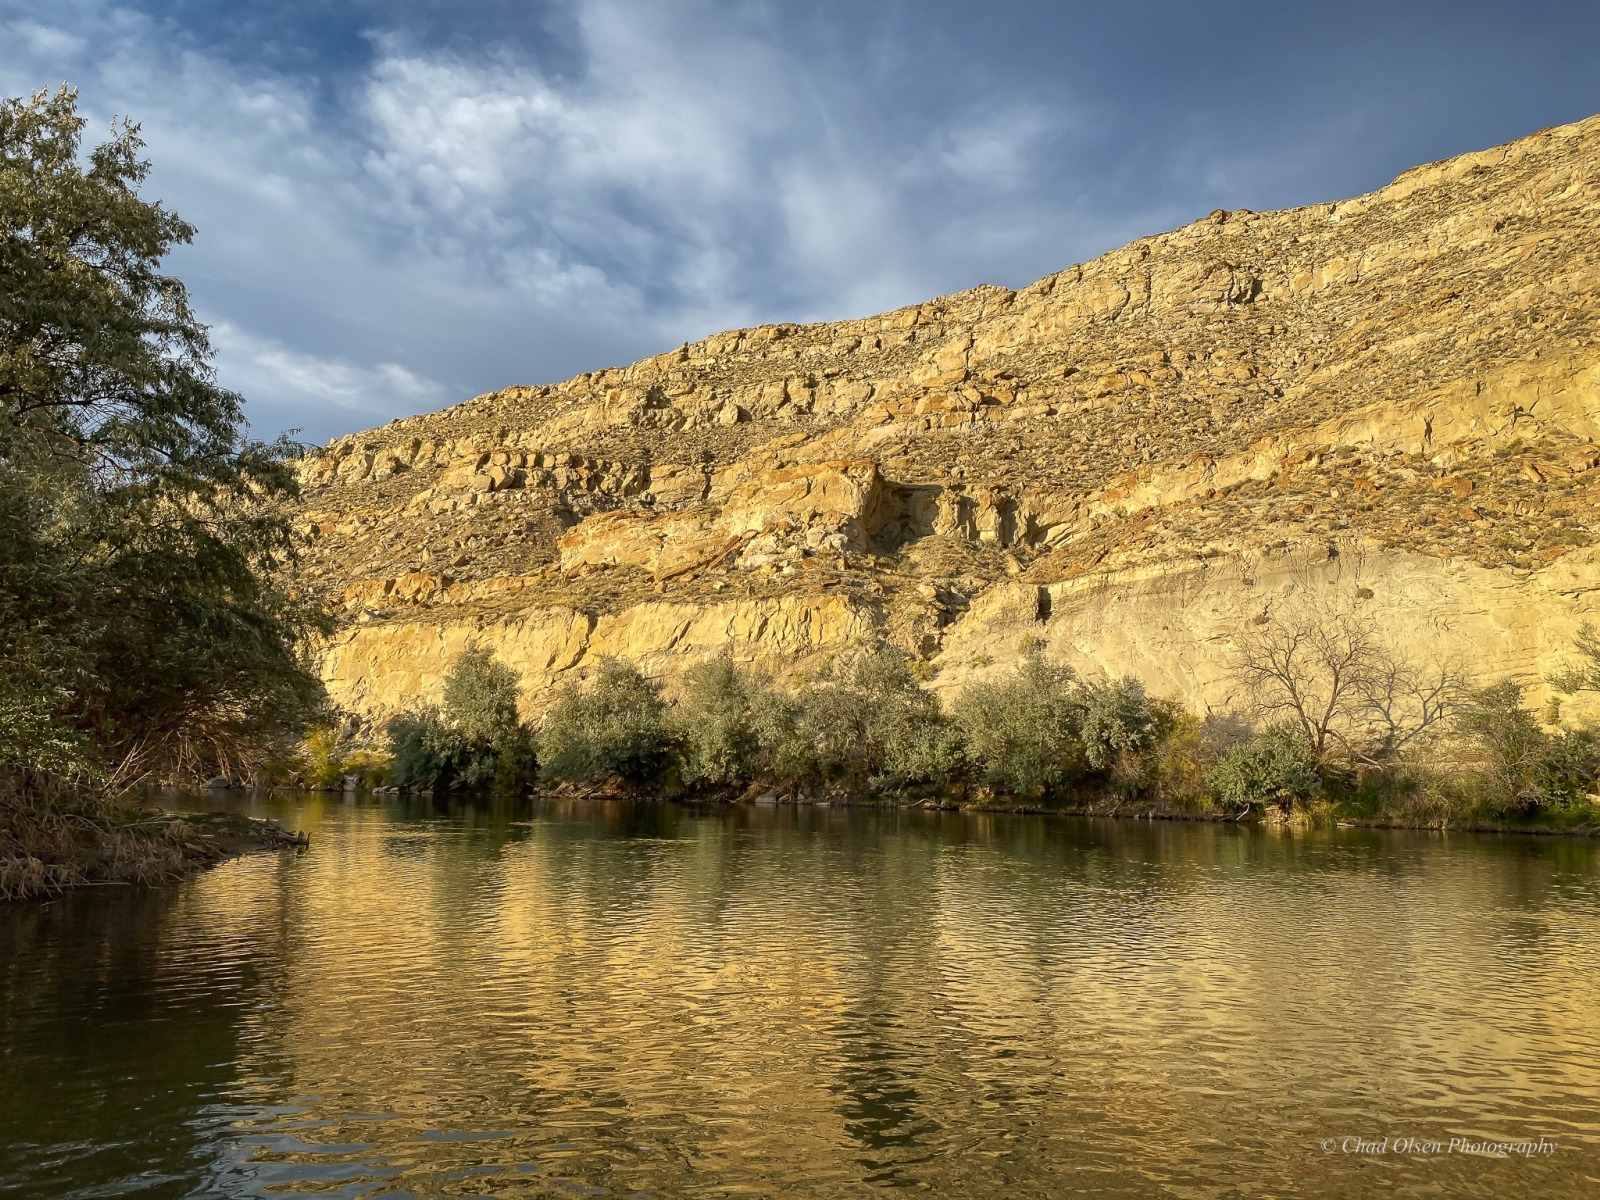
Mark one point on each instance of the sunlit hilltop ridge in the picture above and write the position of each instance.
(1394, 397)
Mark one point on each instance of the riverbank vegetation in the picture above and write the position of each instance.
(1341, 727)
(143, 633)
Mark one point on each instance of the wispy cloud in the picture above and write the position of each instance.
(427, 219)
(286, 382)
(461, 219)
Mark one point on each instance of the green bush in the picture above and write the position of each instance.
(1275, 768)
(1173, 767)
(1566, 772)
(1115, 722)
(718, 721)
(480, 698)
(427, 753)
(321, 757)
(1022, 732)
(865, 721)
(474, 740)
(616, 727)
(1508, 740)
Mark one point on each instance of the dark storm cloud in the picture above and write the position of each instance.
(404, 203)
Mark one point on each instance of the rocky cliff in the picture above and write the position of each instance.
(1391, 400)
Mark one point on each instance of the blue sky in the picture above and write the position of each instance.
(401, 204)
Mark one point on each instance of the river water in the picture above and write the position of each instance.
(616, 999)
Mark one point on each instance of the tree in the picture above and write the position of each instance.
(1308, 666)
(719, 723)
(1585, 676)
(473, 738)
(617, 726)
(480, 698)
(1022, 732)
(1115, 721)
(143, 626)
(866, 721)
(1508, 737)
(1328, 673)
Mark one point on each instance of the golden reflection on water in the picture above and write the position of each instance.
(649, 999)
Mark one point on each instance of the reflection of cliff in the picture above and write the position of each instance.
(1158, 442)
(466, 1000)
(805, 999)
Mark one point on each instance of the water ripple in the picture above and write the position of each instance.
(633, 1000)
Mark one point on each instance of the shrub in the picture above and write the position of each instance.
(480, 698)
(784, 749)
(1174, 768)
(322, 757)
(865, 720)
(1021, 733)
(718, 723)
(427, 753)
(1565, 773)
(474, 740)
(1507, 738)
(617, 726)
(1274, 768)
(1115, 722)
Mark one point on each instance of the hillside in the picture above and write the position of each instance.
(1392, 399)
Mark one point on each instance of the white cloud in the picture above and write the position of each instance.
(280, 379)
(458, 221)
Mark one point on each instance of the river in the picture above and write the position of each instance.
(568, 998)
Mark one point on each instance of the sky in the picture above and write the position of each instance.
(403, 204)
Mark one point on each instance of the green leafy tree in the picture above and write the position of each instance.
(1115, 722)
(1273, 769)
(142, 625)
(427, 754)
(616, 727)
(480, 697)
(474, 738)
(865, 721)
(1022, 731)
(1508, 739)
(1566, 772)
(719, 722)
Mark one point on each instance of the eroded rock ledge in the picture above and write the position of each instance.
(1392, 398)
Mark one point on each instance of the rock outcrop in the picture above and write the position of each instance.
(1392, 399)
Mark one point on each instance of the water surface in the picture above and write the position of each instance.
(599, 998)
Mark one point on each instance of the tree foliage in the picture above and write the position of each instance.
(617, 726)
(720, 721)
(1021, 731)
(142, 629)
(1508, 739)
(864, 720)
(474, 738)
(1273, 769)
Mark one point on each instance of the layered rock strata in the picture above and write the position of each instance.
(1392, 401)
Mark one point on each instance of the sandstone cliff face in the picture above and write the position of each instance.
(1391, 400)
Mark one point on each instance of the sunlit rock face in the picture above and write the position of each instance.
(1389, 401)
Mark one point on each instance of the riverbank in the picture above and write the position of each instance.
(45, 854)
(1352, 813)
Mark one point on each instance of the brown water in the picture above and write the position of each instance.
(650, 1000)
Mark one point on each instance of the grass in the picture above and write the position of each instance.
(46, 851)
